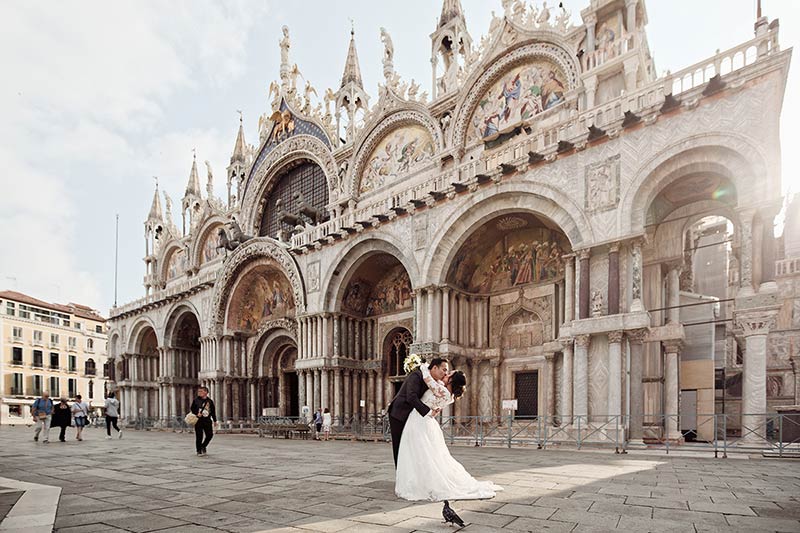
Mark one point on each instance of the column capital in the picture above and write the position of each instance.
(757, 322)
(615, 336)
(586, 253)
(673, 345)
(549, 357)
(495, 362)
(637, 336)
(583, 340)
(566, 342)
(613, 248)
(567, 257)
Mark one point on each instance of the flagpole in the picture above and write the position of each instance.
(116, 259)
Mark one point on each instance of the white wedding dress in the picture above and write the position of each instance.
(425, 468)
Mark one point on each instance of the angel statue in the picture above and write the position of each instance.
(309, 90)
(285, 44)
(328, 98)
(388, 47)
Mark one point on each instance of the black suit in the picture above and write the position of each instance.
(408, 398)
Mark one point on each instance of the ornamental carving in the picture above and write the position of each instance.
(525, 54)
(540, 307)
(756, 323)
(395, 121)
(602, 185)
(297, 147)
(244, 254)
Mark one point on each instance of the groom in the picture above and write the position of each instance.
(408, 398)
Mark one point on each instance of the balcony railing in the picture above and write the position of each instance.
(17, 362)
(17, 391)
(37, 365)
(53, 367)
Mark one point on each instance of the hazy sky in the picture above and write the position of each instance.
(98, 97)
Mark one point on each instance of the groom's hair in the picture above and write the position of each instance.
(436, 361)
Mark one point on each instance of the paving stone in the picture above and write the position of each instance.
(535, 524)
(529, 511)
(765, 524)
(723, 508)
(661, 503)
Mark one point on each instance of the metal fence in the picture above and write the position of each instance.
(775, 434)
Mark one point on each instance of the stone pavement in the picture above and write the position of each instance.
(152, 481)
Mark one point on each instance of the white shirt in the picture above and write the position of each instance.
(80, 409)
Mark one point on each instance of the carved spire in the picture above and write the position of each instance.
(240, 148)
(450, 10)
(351, 96)
(193, 187)
(156, 214)
(352, 70)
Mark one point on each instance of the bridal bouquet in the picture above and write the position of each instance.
(412, 362)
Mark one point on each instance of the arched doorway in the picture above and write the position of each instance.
(139, 372)
(690, 275)
(505, 298)
(181, 366)
(278, 391)
(377, 300)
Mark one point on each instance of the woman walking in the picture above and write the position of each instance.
(80, 413)
(62, 417)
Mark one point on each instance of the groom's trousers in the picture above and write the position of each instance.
(396, 426)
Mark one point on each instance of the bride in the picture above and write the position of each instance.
(425, 468)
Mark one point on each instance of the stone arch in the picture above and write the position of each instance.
(174, 317)
(297, 147)
(171, 247)
(244, 255)
(138, 329)
(718, 152)
(395, 346)
(210, 225)
(486, 75)
(378, 129)
(351, 257)
(272, 361)
(509, 197)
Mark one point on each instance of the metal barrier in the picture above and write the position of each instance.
(772, 434)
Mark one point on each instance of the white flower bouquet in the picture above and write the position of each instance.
(412, 362)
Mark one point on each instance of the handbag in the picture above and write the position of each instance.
(190, 419)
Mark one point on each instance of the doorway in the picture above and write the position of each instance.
(526, 391)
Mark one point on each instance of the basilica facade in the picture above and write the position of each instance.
(571, 229)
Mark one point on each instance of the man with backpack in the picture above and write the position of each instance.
(42, 412)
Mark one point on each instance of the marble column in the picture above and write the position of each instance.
(636, 277)
(429, 300)
(310, 391)
(672, 351)
(755, 327)
(580, 398)
(569, 287)
(348, 396)
(363, 393)
(380, 403)
(767, 253)
(337, 394)
(550, 388)
(746, 254)
(371, 393)
(336, 335)
(566, 382)
(445, 314)
(673, 294)
(630, 6)
(324, 389)
(497, 402)
(583, 304)
(615, 376)
(301, 390)
(325, 341)
(317, 389)
(636, 408)
(253, 397)
(475, 386)
(613, 279)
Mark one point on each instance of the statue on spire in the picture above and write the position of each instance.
(388, 54)
(210, 182)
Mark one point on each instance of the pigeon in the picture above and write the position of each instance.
(450, 515)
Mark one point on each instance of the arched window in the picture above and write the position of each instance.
(398, 350)
(91, 389)
(91, 368)
(90, 344)
(306, 179)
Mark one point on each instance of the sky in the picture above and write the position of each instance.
(99, 97)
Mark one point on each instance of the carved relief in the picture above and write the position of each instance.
(541, 307)
(602, 185)
(313, 276)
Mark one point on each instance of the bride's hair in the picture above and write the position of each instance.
(458, 381)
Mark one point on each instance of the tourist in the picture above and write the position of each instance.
(80, 413)
(326, 423)
(203, 408)
(62, 418)
(112, 415)
(42, 410)
(318, 423)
